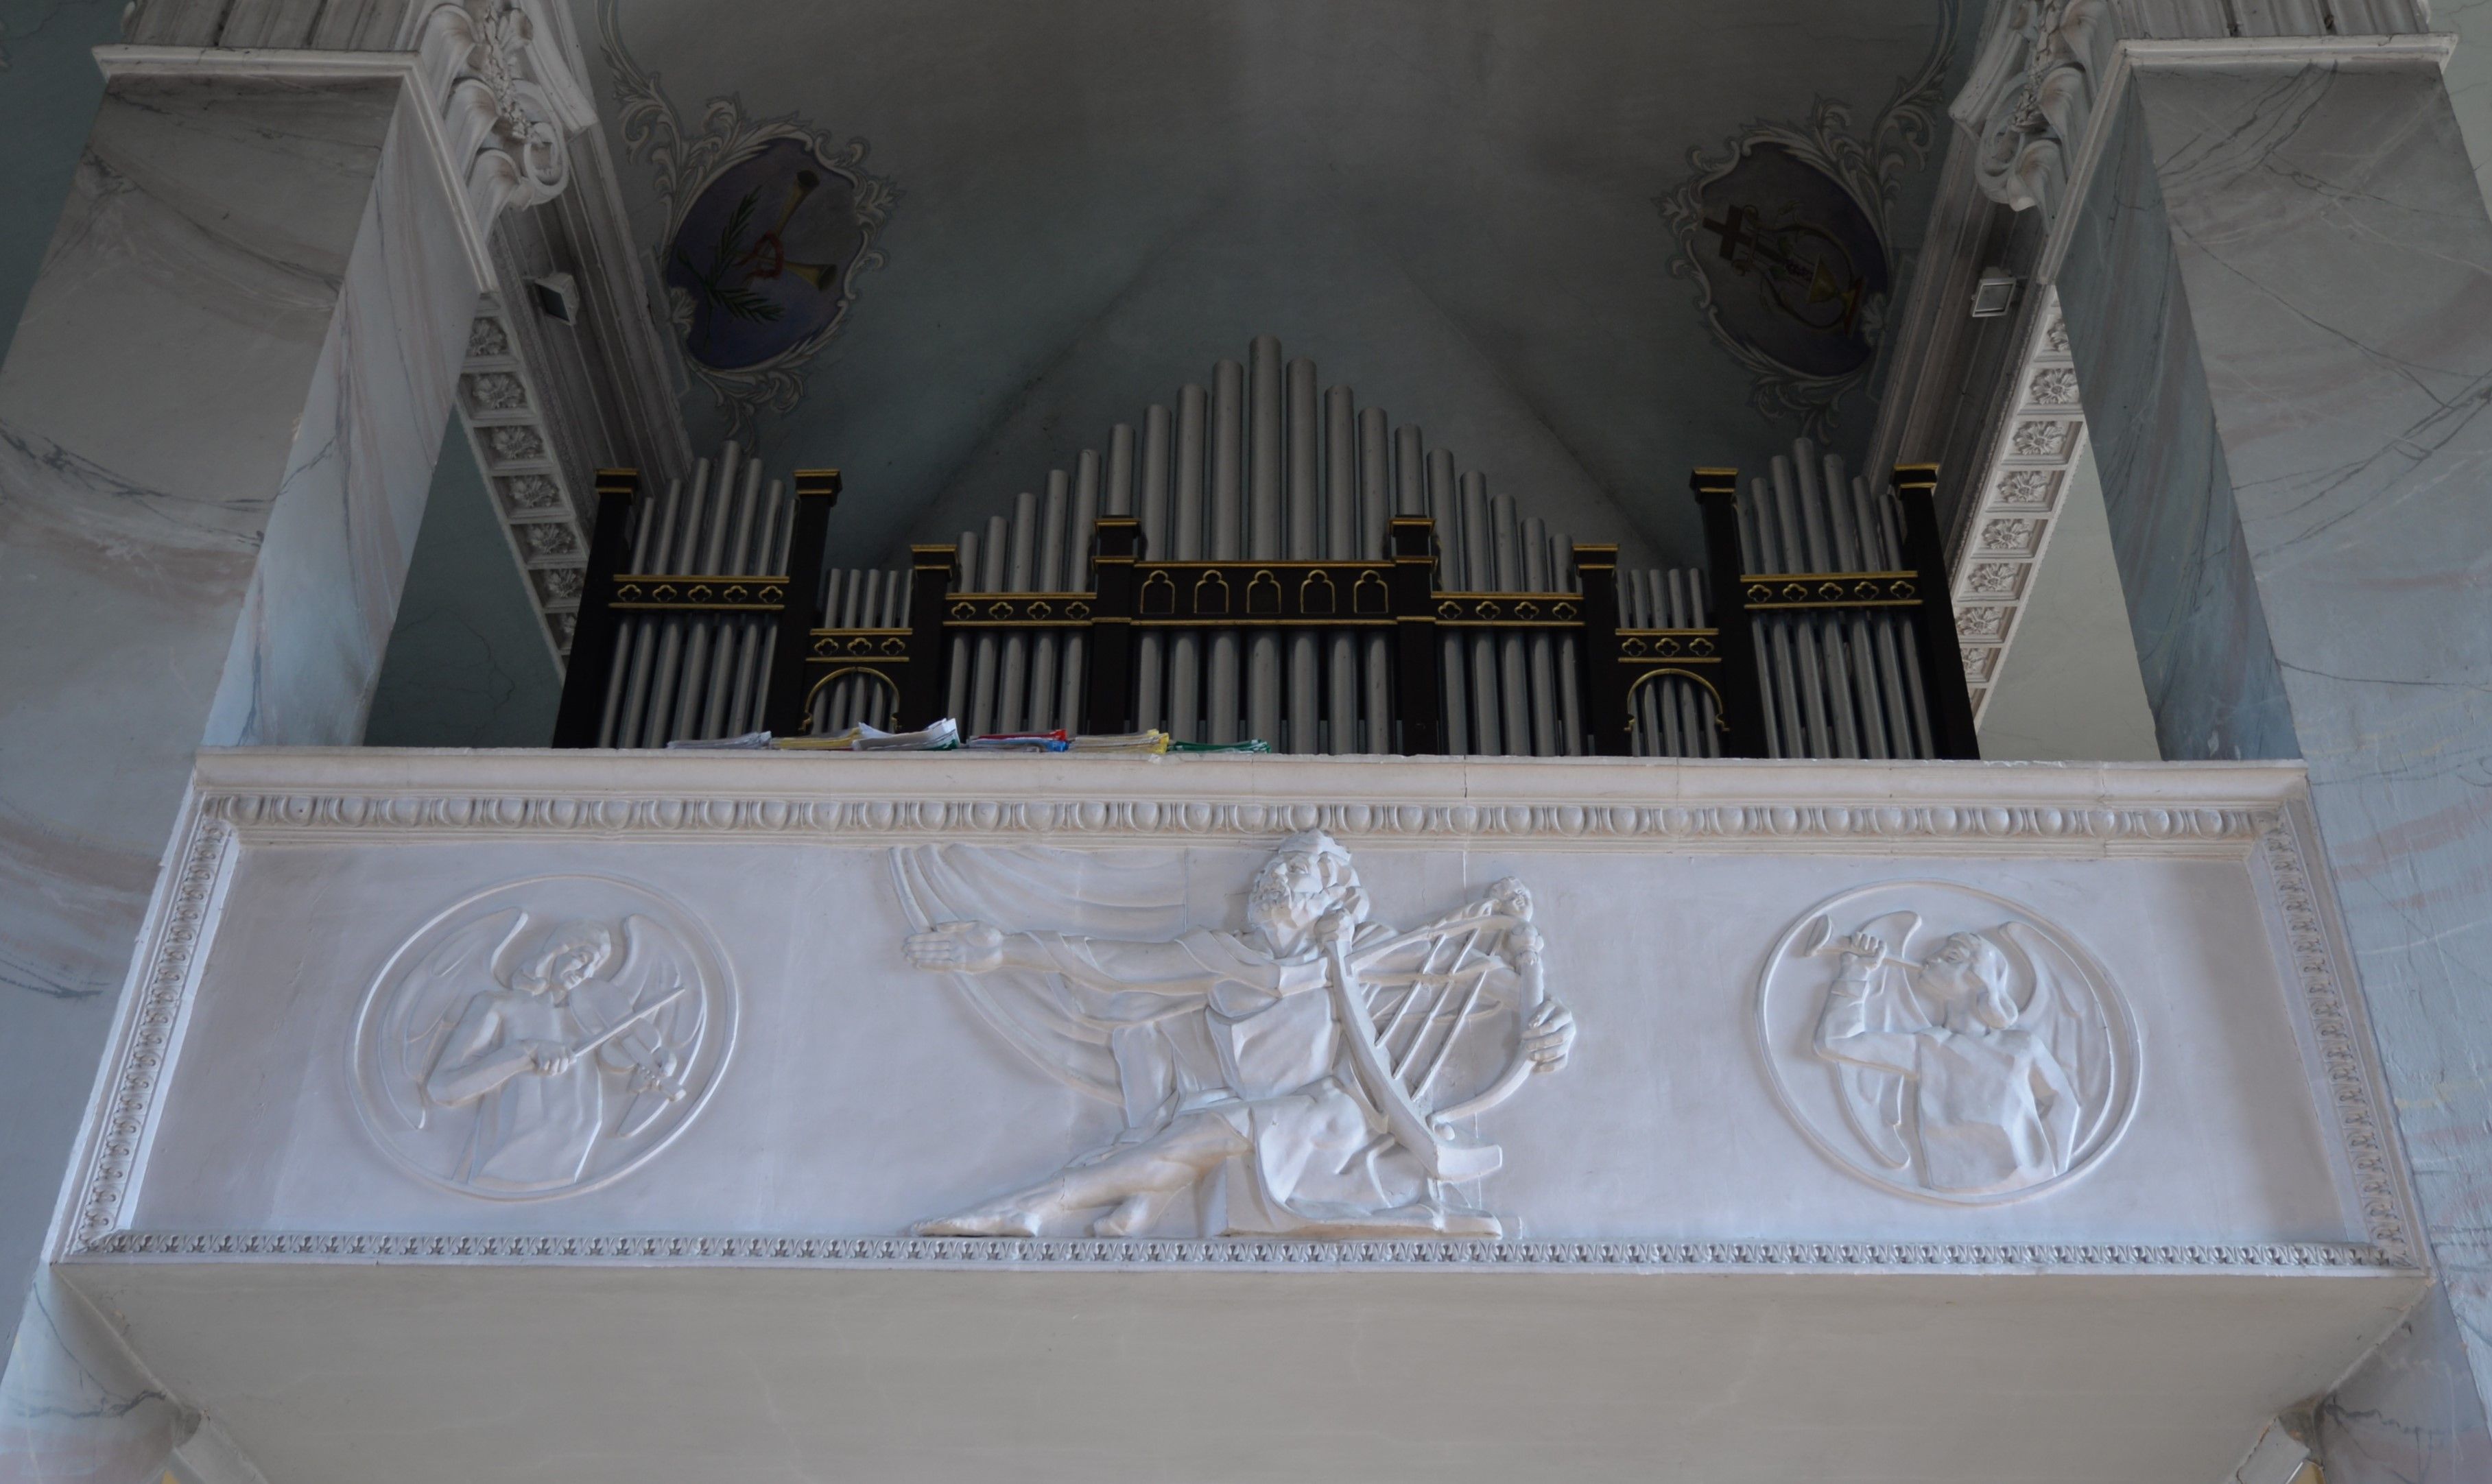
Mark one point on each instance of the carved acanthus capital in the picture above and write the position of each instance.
(2031, 95)
(508, 98)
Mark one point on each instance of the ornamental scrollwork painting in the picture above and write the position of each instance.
(767, 224)
(1787, 233)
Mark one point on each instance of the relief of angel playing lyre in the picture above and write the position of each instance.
(558, 1038)
(1313, 1073)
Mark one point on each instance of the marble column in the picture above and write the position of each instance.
(219, 418)
(2279, 290)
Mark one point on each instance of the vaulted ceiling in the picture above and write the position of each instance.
(1450, 204)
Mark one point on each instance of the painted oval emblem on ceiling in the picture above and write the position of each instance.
(1794, 261)
(763, 255)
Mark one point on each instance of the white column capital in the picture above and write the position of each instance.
(495, 95)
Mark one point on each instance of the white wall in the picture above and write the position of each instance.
(2070, 687)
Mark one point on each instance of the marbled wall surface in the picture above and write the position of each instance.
(2470, 74)
(2201, 644)
(2410, 1414)
(335, 551)
(2332, 259)
(49, 86)
(467, 664)
(74, 1407)
(217, 418)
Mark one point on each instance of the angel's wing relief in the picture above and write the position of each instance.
(2055, 1007)
(435, 995)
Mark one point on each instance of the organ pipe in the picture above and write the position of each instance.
(1274, 475)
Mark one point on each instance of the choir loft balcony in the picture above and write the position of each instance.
(680, 1116)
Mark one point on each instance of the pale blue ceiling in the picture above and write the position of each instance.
(1449, 203)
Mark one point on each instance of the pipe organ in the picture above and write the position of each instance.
(1263, 560)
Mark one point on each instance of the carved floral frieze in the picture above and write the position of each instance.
(2041, 436)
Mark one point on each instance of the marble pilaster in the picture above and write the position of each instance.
(2280, 297)
(2202, 641)
(218, 420)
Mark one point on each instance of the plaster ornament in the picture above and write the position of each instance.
(2032, 96)
(1945, 1042)
(508, 103)
(543, 1038)
(1312, 1074)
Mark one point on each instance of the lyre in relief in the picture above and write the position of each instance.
(1313, 1074)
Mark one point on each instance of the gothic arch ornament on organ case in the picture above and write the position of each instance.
(768, 224)
(543, 1037)
(1946, 1044)
(1788, 234)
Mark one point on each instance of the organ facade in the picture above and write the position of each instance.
(1207, 929)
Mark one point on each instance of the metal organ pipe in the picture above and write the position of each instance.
(682, 675)
(958, 663)
(1043, 702)
(1185, 649)
(1342, 541)
(1149, 661)
(1303, 541)
(1375, 511)
(1835, 685)
(1264, 465)
(1266, 537)
(1224, 696)
(1453, 571)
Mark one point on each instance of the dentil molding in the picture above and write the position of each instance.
(1111, 1254)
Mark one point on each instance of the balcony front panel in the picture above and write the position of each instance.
(756, 1038)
